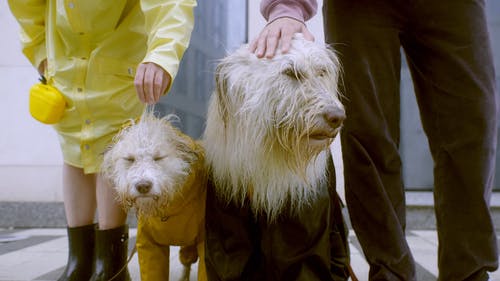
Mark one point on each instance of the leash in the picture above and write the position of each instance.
(351, 273)
(134, 250)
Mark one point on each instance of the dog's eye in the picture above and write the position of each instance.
(159, 158)
(322, 72)
(292, 73)
(289, 72)
(130, 159)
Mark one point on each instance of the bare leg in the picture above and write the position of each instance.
(79, 196)
(111, 237)
(110, 213)
(80, 205)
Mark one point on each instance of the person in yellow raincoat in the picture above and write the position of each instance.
(108, 59)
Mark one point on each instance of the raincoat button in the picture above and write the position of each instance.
(71, 5)
(87, 121)
(87, 147)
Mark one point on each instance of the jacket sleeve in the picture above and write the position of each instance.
(301, 10)
(30, 14)
(169, 25)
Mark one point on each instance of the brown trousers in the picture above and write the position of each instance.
(448, 52)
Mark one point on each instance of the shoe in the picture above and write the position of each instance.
(111, 255)
(80, 264)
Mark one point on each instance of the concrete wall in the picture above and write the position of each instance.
(29, 151)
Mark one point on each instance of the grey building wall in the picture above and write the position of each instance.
(220, 27)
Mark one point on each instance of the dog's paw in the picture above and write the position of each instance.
(186, 271)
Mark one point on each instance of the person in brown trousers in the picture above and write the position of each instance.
(448, 51)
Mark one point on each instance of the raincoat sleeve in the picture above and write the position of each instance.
(301, 10)
(31, 16)
(169, 25)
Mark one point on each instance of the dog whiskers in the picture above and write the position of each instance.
(129, 202)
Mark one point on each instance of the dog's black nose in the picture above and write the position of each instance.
(143, 186)
(334, 116)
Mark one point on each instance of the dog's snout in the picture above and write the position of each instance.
(334, 116)
(143, 186)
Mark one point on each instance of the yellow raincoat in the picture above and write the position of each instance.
(93, 48)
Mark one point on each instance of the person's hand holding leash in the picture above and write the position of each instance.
(151, 82)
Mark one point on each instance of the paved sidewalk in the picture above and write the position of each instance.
(41, 253)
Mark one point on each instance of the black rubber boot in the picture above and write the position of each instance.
(80, 264)
(111, 255)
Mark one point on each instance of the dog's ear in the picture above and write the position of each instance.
(107, 162)
(221, 81)
(189, 149)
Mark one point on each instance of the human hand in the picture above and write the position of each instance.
(151, 81)
(278, 33)
(42, 67)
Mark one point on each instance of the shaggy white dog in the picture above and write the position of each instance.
(160, 173)
(270, 124)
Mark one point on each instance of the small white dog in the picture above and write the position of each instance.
(159, 172)
(270, 124)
